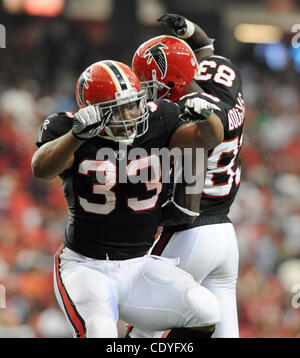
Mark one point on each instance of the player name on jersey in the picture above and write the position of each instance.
(236, 115)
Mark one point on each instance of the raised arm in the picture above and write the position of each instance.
(201, 44)
(55, 156)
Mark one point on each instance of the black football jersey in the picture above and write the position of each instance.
(220, 77)
(223, 164)
(111, 213)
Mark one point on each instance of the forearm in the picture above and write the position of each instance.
(54, 157)
(185, 204)
(205, 134)
(200, 43)
(199, 38)
(212, 131)
(188, 191)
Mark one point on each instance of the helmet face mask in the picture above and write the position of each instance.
(155, 89)
(165, 66)
(127, 118)
(116, 92)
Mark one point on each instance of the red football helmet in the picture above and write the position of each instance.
(111, 85)
(165, 66)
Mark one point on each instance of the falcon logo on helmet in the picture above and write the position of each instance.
(165, 65)
(157, 54)
(83, 82)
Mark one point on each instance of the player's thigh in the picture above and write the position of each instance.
(224, 274)
(226, 254)
(222, 282)
(162, 296)
(205, 249)
(86, 291)
(196, 248)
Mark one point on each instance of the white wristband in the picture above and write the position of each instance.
(190, 29)
(184, 210)
(210, 46)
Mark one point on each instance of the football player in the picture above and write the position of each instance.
(101, 271)
(207, 247)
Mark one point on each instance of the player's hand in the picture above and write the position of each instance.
(176, 23)
(197, 109)
(87, 123)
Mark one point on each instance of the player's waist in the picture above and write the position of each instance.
(105, 253)
(202, 221)
(210, 220)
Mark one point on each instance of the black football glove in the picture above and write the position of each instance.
(176, 23)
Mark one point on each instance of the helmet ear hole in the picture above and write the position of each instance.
(171, 84)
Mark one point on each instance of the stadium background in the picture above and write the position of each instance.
(49, 43)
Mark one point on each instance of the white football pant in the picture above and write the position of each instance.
(148, 292)
(210, 254)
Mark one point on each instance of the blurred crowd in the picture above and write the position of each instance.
(266, 212)
(37, 77)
